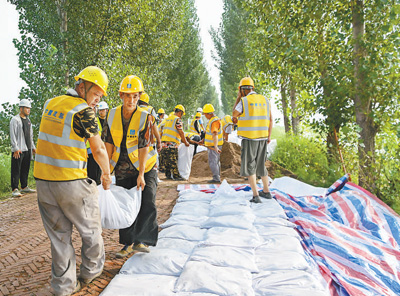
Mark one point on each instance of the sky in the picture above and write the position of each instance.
(209, 12)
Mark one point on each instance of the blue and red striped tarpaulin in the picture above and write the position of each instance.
(352, 235)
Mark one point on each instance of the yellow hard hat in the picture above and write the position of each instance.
(131, 84)
(208, 108)
(161, 111)
(228, 119)
(180, 107)
(145, 98)
(198, 115)
(95, 75)
(246, 81)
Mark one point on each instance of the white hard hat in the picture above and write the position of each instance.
(25, 103)
(103, 105)
(200, 110)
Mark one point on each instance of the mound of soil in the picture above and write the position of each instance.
(230, 164)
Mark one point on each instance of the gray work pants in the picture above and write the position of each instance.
(61, 205)
(215, 165)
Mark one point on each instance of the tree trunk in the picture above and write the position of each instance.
(286, 121)
(294, 111)
(62, 13)
(362, 103)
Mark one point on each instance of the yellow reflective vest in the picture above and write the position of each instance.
(136, 124)
(208, 139)
(61, 154)
(100, 130)
(192, 128)
(254, 122)
(226, 121)
(170, 133)
(149, 110)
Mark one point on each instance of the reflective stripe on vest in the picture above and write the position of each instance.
(170, 133)
(136, 124)
(225, 123)
(192, 128)
(61, 154)
(255, 120)
(208, 139)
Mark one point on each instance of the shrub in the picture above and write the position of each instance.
(307, 159)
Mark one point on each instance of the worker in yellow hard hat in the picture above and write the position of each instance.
(213, 141)
(252, 113)
(227, 126)
(144, 104)
(133, 159)
(196, 126)
(66, 196)
(160, 115)
(172, 136)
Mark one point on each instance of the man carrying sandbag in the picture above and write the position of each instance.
(132, 157)
(66, 196)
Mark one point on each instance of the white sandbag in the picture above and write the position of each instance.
(276, 230)
(233, 138)
(201, 277)
(189, 220)
(225, 190)
(183, 232)
(296, 188)
(281, 260)
(285, 280)
(229, 209)
(180, 245)
(273, 221)
(194, 294)
(268, 208)
(224, 236)
(140, 284)
(225, 256)
(185, 156)
(233, 199)
(290, 292)
(119, 207)
(195, 208)
(193, 195)
(158, 261)
(280, 243)
(271, 147)
(241, 221)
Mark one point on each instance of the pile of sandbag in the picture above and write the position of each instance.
(221, 244)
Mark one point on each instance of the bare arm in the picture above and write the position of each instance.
(158, 137)
(100, 155)
(142, 167)
(183, 139)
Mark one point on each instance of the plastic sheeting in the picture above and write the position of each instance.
(221, 244)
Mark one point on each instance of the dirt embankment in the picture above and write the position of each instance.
(230, 164)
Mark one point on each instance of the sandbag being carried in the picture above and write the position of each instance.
(119, 207)
(185, 156)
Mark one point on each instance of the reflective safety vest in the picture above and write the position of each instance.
(191, 134)
(161, 125)
(136, 124)
(226, 121)
(254, 122)
(170, 133)
(100, 130)
(198, 124)
(149, 110)
(61, 154)
(208, 140)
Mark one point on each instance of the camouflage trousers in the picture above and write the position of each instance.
(161, 161)
(170, 158)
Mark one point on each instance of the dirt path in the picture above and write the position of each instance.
(25, 258)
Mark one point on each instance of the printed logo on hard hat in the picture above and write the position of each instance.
(129, 85)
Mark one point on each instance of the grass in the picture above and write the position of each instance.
(5, 176)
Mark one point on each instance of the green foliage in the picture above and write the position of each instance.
(307, 159)
(5, 175)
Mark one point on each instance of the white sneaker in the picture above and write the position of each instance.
(16, 193)
(27, 190)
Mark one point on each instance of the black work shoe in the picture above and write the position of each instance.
(256, 199)
(213, 181)
(169, 177)
(179, 179)
(266, 195)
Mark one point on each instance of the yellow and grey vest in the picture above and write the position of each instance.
(137, 124)
(170, 133)
(226, 121)
(254, 121)
(192, 129)
(149, 110)
(61, 154)
(208, 140)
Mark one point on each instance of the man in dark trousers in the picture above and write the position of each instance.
(22, 146)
